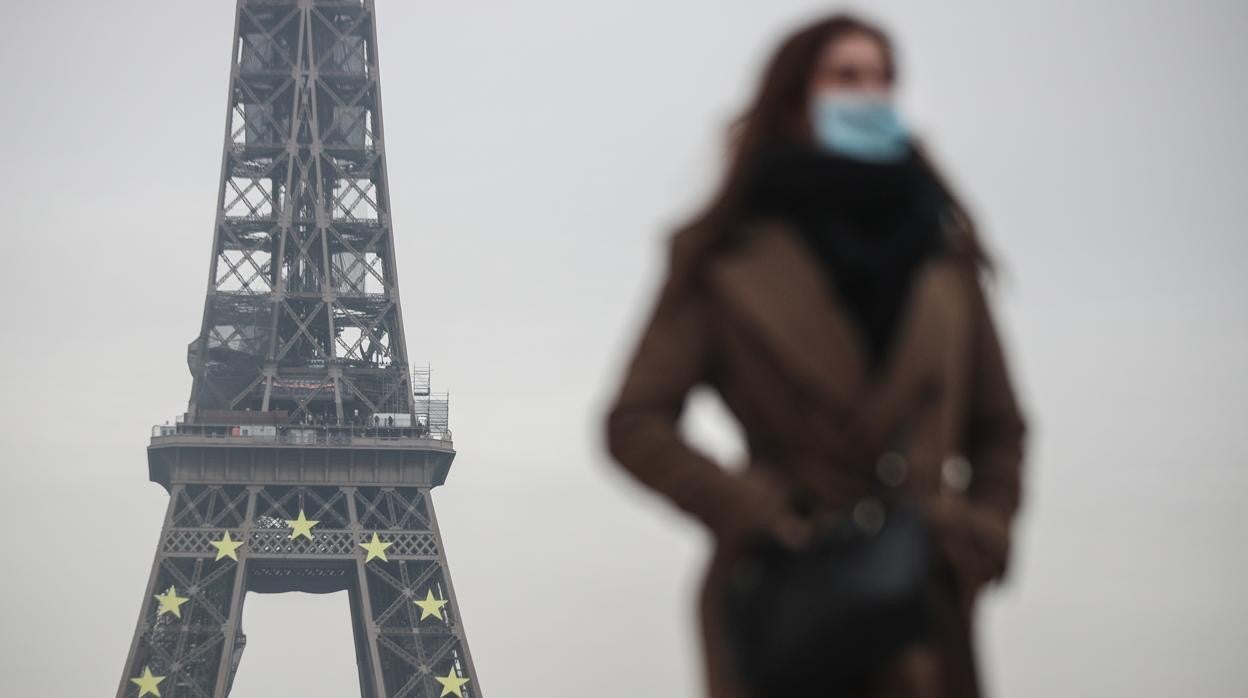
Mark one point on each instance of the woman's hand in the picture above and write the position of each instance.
(763, 505)
(974, 539)
(792, 531)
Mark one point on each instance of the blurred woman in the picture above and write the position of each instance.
(831, 293)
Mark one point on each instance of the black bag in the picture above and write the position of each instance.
(824, 621)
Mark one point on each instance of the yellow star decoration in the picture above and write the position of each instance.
(376, 548)
(430, 606)
(226, 547)
(302, 526)
(170, 602)
(451, 683)
(147, 683)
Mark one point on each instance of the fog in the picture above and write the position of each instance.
(538, 155)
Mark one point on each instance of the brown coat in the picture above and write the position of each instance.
(763, 327)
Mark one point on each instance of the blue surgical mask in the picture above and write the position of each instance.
(859, 125)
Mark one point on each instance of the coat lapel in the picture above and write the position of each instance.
(774, 284)
(778, 288)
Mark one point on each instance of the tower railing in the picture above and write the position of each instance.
(300, 434)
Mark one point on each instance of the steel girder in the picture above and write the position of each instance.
(303, 275)
(401, 649)
(302, 316)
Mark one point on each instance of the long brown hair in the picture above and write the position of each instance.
(778, 112)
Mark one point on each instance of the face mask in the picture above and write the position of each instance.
(859, 125)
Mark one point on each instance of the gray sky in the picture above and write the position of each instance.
(538, 153)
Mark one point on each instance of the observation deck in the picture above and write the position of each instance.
(359, 454)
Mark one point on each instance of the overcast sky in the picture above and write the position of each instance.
(539, 152)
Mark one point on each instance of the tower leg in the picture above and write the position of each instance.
(409, 641)
(363, 653)
(232, 640)
(453, 600)
(141, 627)
(362, 620)
(407, 601)
(186, 640)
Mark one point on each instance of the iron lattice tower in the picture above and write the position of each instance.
(309, 447)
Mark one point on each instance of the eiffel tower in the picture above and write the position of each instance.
(305, 459)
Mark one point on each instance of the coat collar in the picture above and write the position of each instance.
(776, 286)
